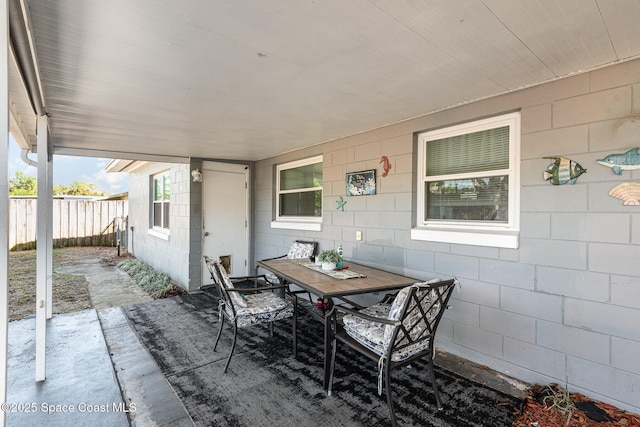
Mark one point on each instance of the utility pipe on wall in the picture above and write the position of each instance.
(24, 156)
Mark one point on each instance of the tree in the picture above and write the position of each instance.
(23, 185)
(78, 188)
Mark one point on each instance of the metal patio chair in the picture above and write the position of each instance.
(395, 333)
(246, 301)
(299, 249)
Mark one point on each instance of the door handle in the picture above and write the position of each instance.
(206, 233)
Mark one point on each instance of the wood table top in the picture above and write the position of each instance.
(323, 285)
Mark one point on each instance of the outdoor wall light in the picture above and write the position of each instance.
(196, 175)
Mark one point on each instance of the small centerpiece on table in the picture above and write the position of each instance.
(329, 259)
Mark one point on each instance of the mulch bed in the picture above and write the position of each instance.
(539, 410)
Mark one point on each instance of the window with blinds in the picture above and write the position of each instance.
(468, 178)
(474, 152)
(299, 188)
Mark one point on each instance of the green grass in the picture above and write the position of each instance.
(70, 292)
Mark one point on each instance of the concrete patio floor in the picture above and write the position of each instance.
(99, 374)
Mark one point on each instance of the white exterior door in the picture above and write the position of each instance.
(225, 206)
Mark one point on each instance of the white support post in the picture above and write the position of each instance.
(4, 201)
(49, 224)
(44, 246)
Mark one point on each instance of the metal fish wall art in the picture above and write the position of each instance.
(628, 192)
(622, 161)
(563, 170)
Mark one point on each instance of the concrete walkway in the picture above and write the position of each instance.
(98, 373)
(108, 285)
(140, 379)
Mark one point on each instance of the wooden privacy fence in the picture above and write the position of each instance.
(75, 222)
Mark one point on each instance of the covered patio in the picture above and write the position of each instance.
(550, 281)
(120, 350)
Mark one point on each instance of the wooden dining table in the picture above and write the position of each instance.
(327, 286)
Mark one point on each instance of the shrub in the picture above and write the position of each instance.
(156, 284)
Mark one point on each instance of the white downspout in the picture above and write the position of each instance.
(24, 155)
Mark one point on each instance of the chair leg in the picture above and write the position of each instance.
(432, 374)
(387, 378)
(295, 331)
(221, 321)
(233, 346)
(333, 367)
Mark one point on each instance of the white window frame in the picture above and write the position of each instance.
(154, 230)
(502, 235)
(306, 223)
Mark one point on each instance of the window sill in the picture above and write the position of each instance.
(294, 225)
(495, 238)
(159, 233)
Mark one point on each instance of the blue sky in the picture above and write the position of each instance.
(67, 169)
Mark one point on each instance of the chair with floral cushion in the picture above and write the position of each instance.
(395, 333)
(252, 304)
(299, 249)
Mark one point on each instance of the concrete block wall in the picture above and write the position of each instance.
(565, 305)
(195, 229)
(168, 256)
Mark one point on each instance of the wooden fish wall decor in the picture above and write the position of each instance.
(628, 192)
(622, 161)
(563, 170)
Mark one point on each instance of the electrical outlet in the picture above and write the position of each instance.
(358, 235)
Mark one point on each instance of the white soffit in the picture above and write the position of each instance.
(247, 80)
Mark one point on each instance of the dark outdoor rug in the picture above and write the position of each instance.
(266, 386)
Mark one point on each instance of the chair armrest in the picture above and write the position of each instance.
(298, 292)
(257, 289)
(388, 298)
(257, 276)
(384, 320)
(255, 279)
(275, 257)
(301, 291)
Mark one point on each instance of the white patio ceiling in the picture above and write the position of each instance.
(250, 79)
